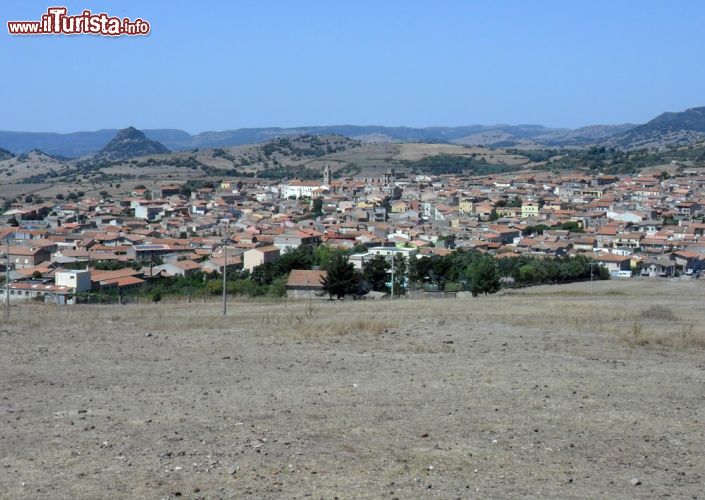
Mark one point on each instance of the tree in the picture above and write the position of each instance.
(484, 276)
(399, 263)
(359, 248)
(375, 273)
(341, 278)
(322, 255)
(317, 207)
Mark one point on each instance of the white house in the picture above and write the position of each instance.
(299, 189)
(79, 281)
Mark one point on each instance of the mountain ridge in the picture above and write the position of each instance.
(78, 144)
(669, 128)
(683, 127)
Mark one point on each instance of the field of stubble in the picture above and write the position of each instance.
(569, 392)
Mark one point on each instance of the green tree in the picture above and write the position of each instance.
(484, 276)
(317, 208)
(359, 248)
(419, 270)
(375, 273)
(322, 255)
(399, 263)
(341, 278)
(278, 287)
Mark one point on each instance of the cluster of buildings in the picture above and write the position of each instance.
(645, 226)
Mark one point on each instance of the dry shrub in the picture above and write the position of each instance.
(635, 337)
(374, 326)
(659, 312)
(684, 338)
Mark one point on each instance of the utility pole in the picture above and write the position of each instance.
(392, 277)
(7, 277)
(591, 288)
(225, 276)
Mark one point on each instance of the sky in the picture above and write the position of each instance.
(218, 65)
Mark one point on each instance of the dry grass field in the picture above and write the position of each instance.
(568, 392)
(417, 151)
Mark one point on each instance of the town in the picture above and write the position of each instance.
(403, 250)
(278, 238)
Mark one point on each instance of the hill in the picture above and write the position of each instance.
(25, 166)
(130, 143)
(77, 144)
(681, 128)
(5, 154)
(83, 143)
(678, 128)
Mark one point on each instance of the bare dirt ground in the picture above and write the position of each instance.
(568, 392)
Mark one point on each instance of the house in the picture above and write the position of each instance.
(78, 281)
(22, 257)
(122, 284)
(617, 265)
(39, 290)
(529, 209)
(304, 284)
(688, 208)
(178, 268)
(148, 211)
(295, 239)
(261, 255)
(658, 266)
(688, 262)
(118, 279)
(585, 244)
(505, 234)
(300, 189)
(218, 264)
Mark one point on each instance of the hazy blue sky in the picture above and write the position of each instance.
(219, 65)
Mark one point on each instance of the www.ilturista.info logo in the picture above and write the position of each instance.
(56, 21)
